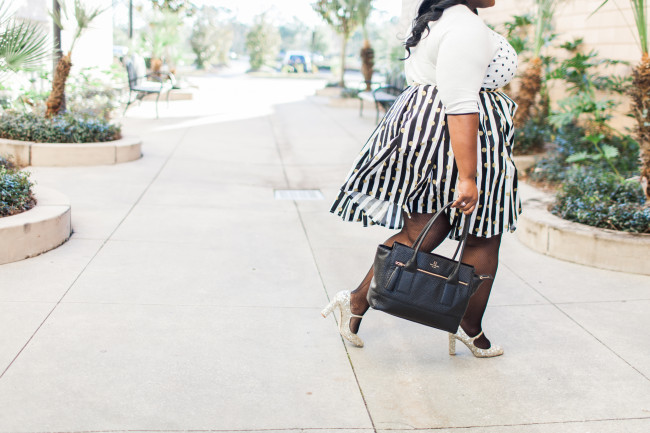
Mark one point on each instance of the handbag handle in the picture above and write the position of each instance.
(411, 265)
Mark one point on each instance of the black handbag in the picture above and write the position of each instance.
(424, 287)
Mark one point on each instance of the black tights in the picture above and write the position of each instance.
(482, 253)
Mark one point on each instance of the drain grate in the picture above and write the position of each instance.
(298, 194)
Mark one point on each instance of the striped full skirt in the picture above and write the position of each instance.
(407, 165)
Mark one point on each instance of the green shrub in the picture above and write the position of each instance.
(584, 74)
(15, 190)
(349, 93)
(602, 199)
(90, 93)
(95, 93)
(532, 137)
(571, 140)
(6, 163)
(262, 42)
(66, 128)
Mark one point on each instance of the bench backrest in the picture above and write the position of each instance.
(135, 69)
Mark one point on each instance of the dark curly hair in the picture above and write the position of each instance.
(429, 10)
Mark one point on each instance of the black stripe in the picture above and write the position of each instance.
(431, 143)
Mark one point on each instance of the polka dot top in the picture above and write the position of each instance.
(503, 66)
(460, 56)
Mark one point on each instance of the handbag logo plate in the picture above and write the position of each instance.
(434, 265)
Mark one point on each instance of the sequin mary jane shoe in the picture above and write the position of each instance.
(342, 301)
(469, 342)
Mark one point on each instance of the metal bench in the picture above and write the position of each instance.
(383, 97)
(141, 86)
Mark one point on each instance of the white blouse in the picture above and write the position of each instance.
(461, 55)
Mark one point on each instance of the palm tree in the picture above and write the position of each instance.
(367, 52)
(83, 16)
(640, 91)
(531, 79)
(343, 17)
(23, 45)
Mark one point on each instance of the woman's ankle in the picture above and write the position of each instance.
(472, 330)
(358, 303)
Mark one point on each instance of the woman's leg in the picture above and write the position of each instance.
(407, 236)
(483, 254)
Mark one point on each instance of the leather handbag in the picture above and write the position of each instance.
(424, 287)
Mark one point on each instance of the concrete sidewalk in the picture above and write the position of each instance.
(188, 299)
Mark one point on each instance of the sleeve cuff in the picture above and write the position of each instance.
(462, 107)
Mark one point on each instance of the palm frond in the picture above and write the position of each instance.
(543, 23)
(23, 46)
(57, 16)
(5, 12)
(598, 8)
(640, 12)
(364, 8)
(84, 15)
(641, 19)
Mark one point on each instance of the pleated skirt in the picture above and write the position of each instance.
(407, 165)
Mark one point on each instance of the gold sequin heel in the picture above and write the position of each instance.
(469, 342)
(342, 301)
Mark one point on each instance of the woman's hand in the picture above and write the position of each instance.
(467, 196)
(463, 129)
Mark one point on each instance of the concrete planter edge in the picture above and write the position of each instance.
(24, 153)
(546, 233)
(38, 230)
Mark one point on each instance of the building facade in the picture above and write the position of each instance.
(610, 31)
(94, 48)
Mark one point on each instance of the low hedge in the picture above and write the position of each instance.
(531, 138)
(66, 128)
(15, 190)
(570, 140)
(602, 199)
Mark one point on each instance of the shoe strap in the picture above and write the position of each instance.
(475, 337)
(356, 315)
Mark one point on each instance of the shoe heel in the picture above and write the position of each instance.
(329, 308)
(452, 344)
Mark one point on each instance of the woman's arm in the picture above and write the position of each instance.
(465, 51)
(463, 132)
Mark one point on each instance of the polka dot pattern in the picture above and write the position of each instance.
(408, 164)
(503, 67)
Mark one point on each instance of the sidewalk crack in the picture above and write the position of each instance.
(101, 247)
(279, 139)
(556, 306)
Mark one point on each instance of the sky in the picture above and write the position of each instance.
(286, 9)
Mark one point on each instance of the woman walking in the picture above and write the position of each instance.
(449, 134)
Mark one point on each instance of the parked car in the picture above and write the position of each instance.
(296, 61)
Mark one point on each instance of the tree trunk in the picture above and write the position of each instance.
(344, 45)
(640, 93)
(56, 101)
(156, 65)
(531, 83)
(367, 63)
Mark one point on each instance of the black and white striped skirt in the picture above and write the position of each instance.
(407, 165)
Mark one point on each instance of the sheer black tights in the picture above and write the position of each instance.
(482, 253)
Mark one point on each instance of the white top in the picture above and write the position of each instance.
(461, 55)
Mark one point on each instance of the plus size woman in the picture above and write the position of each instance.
(447, 138)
